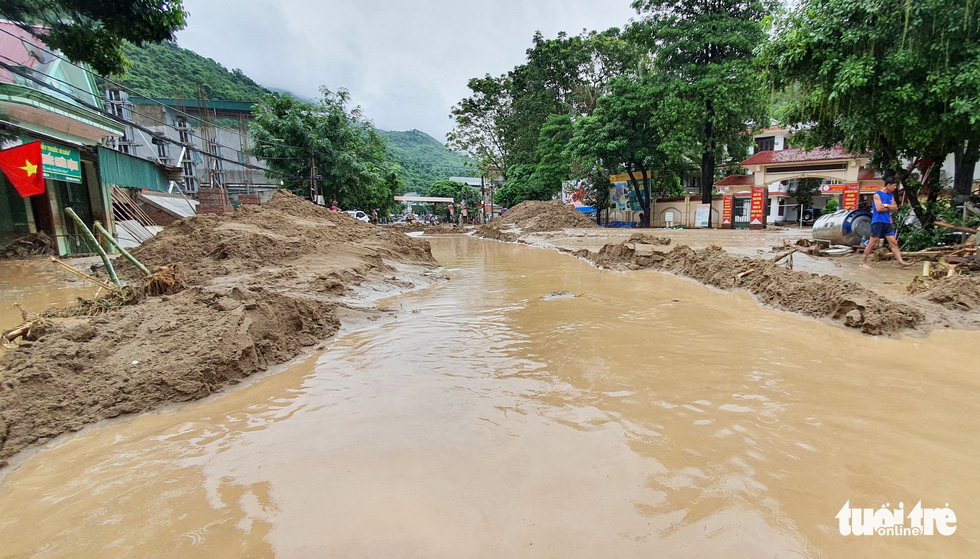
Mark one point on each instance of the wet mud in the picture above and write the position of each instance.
(496, 416)
(265, 283)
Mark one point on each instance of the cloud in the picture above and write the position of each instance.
(405, 63)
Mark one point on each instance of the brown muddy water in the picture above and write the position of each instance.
(646, 417)
(37, 285)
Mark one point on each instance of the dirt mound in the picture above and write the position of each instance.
(813, 295)
(533, 216)
(143, 355)
(959, 293)
(265, 282)
(282, 230)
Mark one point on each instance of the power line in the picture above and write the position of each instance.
(119, 119)
(188, 131)
(105, 79)
(131, 90)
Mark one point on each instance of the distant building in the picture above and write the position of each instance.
(46, 98)
(208, 140)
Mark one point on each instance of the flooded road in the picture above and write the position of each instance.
(19, 281)
(646, 417)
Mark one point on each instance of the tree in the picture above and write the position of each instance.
(805, 189)
(294, 137)
(500, 124)
(457, 191)
(640, 128)
(562, 76)
(544, 181)
(480, 125)
(94, 31)
(707, 47)
(900, 81)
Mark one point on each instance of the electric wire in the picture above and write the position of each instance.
(121, 120)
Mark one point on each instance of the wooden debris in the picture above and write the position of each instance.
(83, 275)
(785, 254)
(810, 249)
(956, 227)
(32, 328)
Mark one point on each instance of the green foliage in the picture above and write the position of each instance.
(94, 31)
(349, 154)
(912, 236)
(900, 79)
(481, 121)
(168, 71)
(499, 124)
(639, 127)
(830, 208)
(543, 180)
(707, 48)
(805, 189)
(517, 188)
(422, 160)
(457, 191)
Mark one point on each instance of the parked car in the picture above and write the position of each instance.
(358, 214)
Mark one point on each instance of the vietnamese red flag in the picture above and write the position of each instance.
(22, 165)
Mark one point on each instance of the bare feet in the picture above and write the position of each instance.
(865, 265)
(907, 263)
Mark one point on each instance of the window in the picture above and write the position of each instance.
(765, 144)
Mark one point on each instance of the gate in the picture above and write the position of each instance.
(740, 212)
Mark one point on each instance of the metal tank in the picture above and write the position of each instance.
(843, 227)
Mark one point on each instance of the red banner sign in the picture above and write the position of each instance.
(758, 210)
(852, 195)
(726, 209)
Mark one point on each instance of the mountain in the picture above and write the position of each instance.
(167, 70)
(423, 159)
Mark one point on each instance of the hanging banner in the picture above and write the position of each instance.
(852, 196)
(728, 202)
(757, 212)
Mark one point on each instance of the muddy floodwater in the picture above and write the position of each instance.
(646, 416)
(37, 285)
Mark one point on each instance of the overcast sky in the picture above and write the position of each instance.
(406, 63)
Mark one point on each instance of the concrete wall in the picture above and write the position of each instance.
(684, 211)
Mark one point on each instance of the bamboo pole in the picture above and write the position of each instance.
(82, 274)
(95, 244)
(122, 251)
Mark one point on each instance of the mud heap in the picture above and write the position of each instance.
(533, 216)
(961, 293)
(819, 296)
(265, 282)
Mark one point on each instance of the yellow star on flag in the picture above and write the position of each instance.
(29, 167)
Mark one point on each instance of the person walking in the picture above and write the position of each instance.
(881, 223)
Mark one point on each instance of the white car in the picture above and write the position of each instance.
(358, 214)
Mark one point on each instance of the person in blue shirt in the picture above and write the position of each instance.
(881, 222)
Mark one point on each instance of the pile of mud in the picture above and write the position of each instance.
(265, 282)
(818, 296)
(285, 229)
(533, 216)
(958, 293)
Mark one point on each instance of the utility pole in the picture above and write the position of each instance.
(312, 177)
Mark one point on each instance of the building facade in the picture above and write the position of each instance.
(207, 140)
